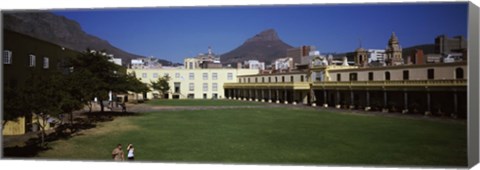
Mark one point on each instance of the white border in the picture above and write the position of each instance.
(89, 4)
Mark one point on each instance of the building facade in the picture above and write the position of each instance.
(438, 88)
(445, 45)
(23, 57)
(192, 83)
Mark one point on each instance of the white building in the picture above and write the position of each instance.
(376, 55)
(254, 64)
(112, 59)
(145, 63)
(192, 83)
(283, 64)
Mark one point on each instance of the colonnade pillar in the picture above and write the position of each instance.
(405, 102)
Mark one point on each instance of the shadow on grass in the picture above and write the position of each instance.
(33, 146)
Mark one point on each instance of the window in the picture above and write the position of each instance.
(249, 80)
(214, 76)
(205, 86)
(190, 65)
(191, 87)
(177, 87)
(370, 76)
(339, 77)
(7, 57)
(191, 76)
(276, 79)
(155, 75)
(302, 78)
(291, 78)
(144, 75)
(387, 75)
(269, 79)
(32, 61)
(431, 74)
(405, 74)
(45, 63)
(353, 76)
(177, 75)
(256, 80)
(240, 80)
(283, 79)
(205, 76)
(459, 73)
(263, 79)
(214, 86)
(229, 76)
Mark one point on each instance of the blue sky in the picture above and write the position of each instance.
(176, 33)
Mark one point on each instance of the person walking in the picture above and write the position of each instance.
(130, 151)
(117, 153)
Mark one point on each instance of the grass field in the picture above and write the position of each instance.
(199, 102)
(272, 136)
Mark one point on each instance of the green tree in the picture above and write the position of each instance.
(44, 95)
(161, 85)
(13, 104)
(99, 75)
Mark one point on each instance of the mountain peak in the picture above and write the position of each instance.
(266, 35)
(265, 46)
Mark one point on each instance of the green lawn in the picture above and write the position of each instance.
(201, 102)
(272, 136)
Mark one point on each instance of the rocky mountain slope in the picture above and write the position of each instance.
(62, 31)
(265, 46)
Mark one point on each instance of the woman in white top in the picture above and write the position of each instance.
(130, 152)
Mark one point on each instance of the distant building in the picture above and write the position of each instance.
(117, 61)
(376, 55)
(298, 54)
(445, 45)
(283, 64)
(209, 60)
(254, 64)
(394, 51)
(145, 63)
(418, 57)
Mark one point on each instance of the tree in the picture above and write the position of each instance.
(161, 84)
(98, 74)
(44, 95)
(13, 105)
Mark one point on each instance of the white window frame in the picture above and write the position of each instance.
(7, 57)
(229, 76)
(177, 75)
(46, 63)
(144, 75)
(214, 86)
(205, 87)
(191, 87)
(32, 60)
(214, 76)
(155, 75)
(191, 76)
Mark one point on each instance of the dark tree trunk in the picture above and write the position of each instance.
(101, 106)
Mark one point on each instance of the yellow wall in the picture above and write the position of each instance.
(15, 127)
(182, 76)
